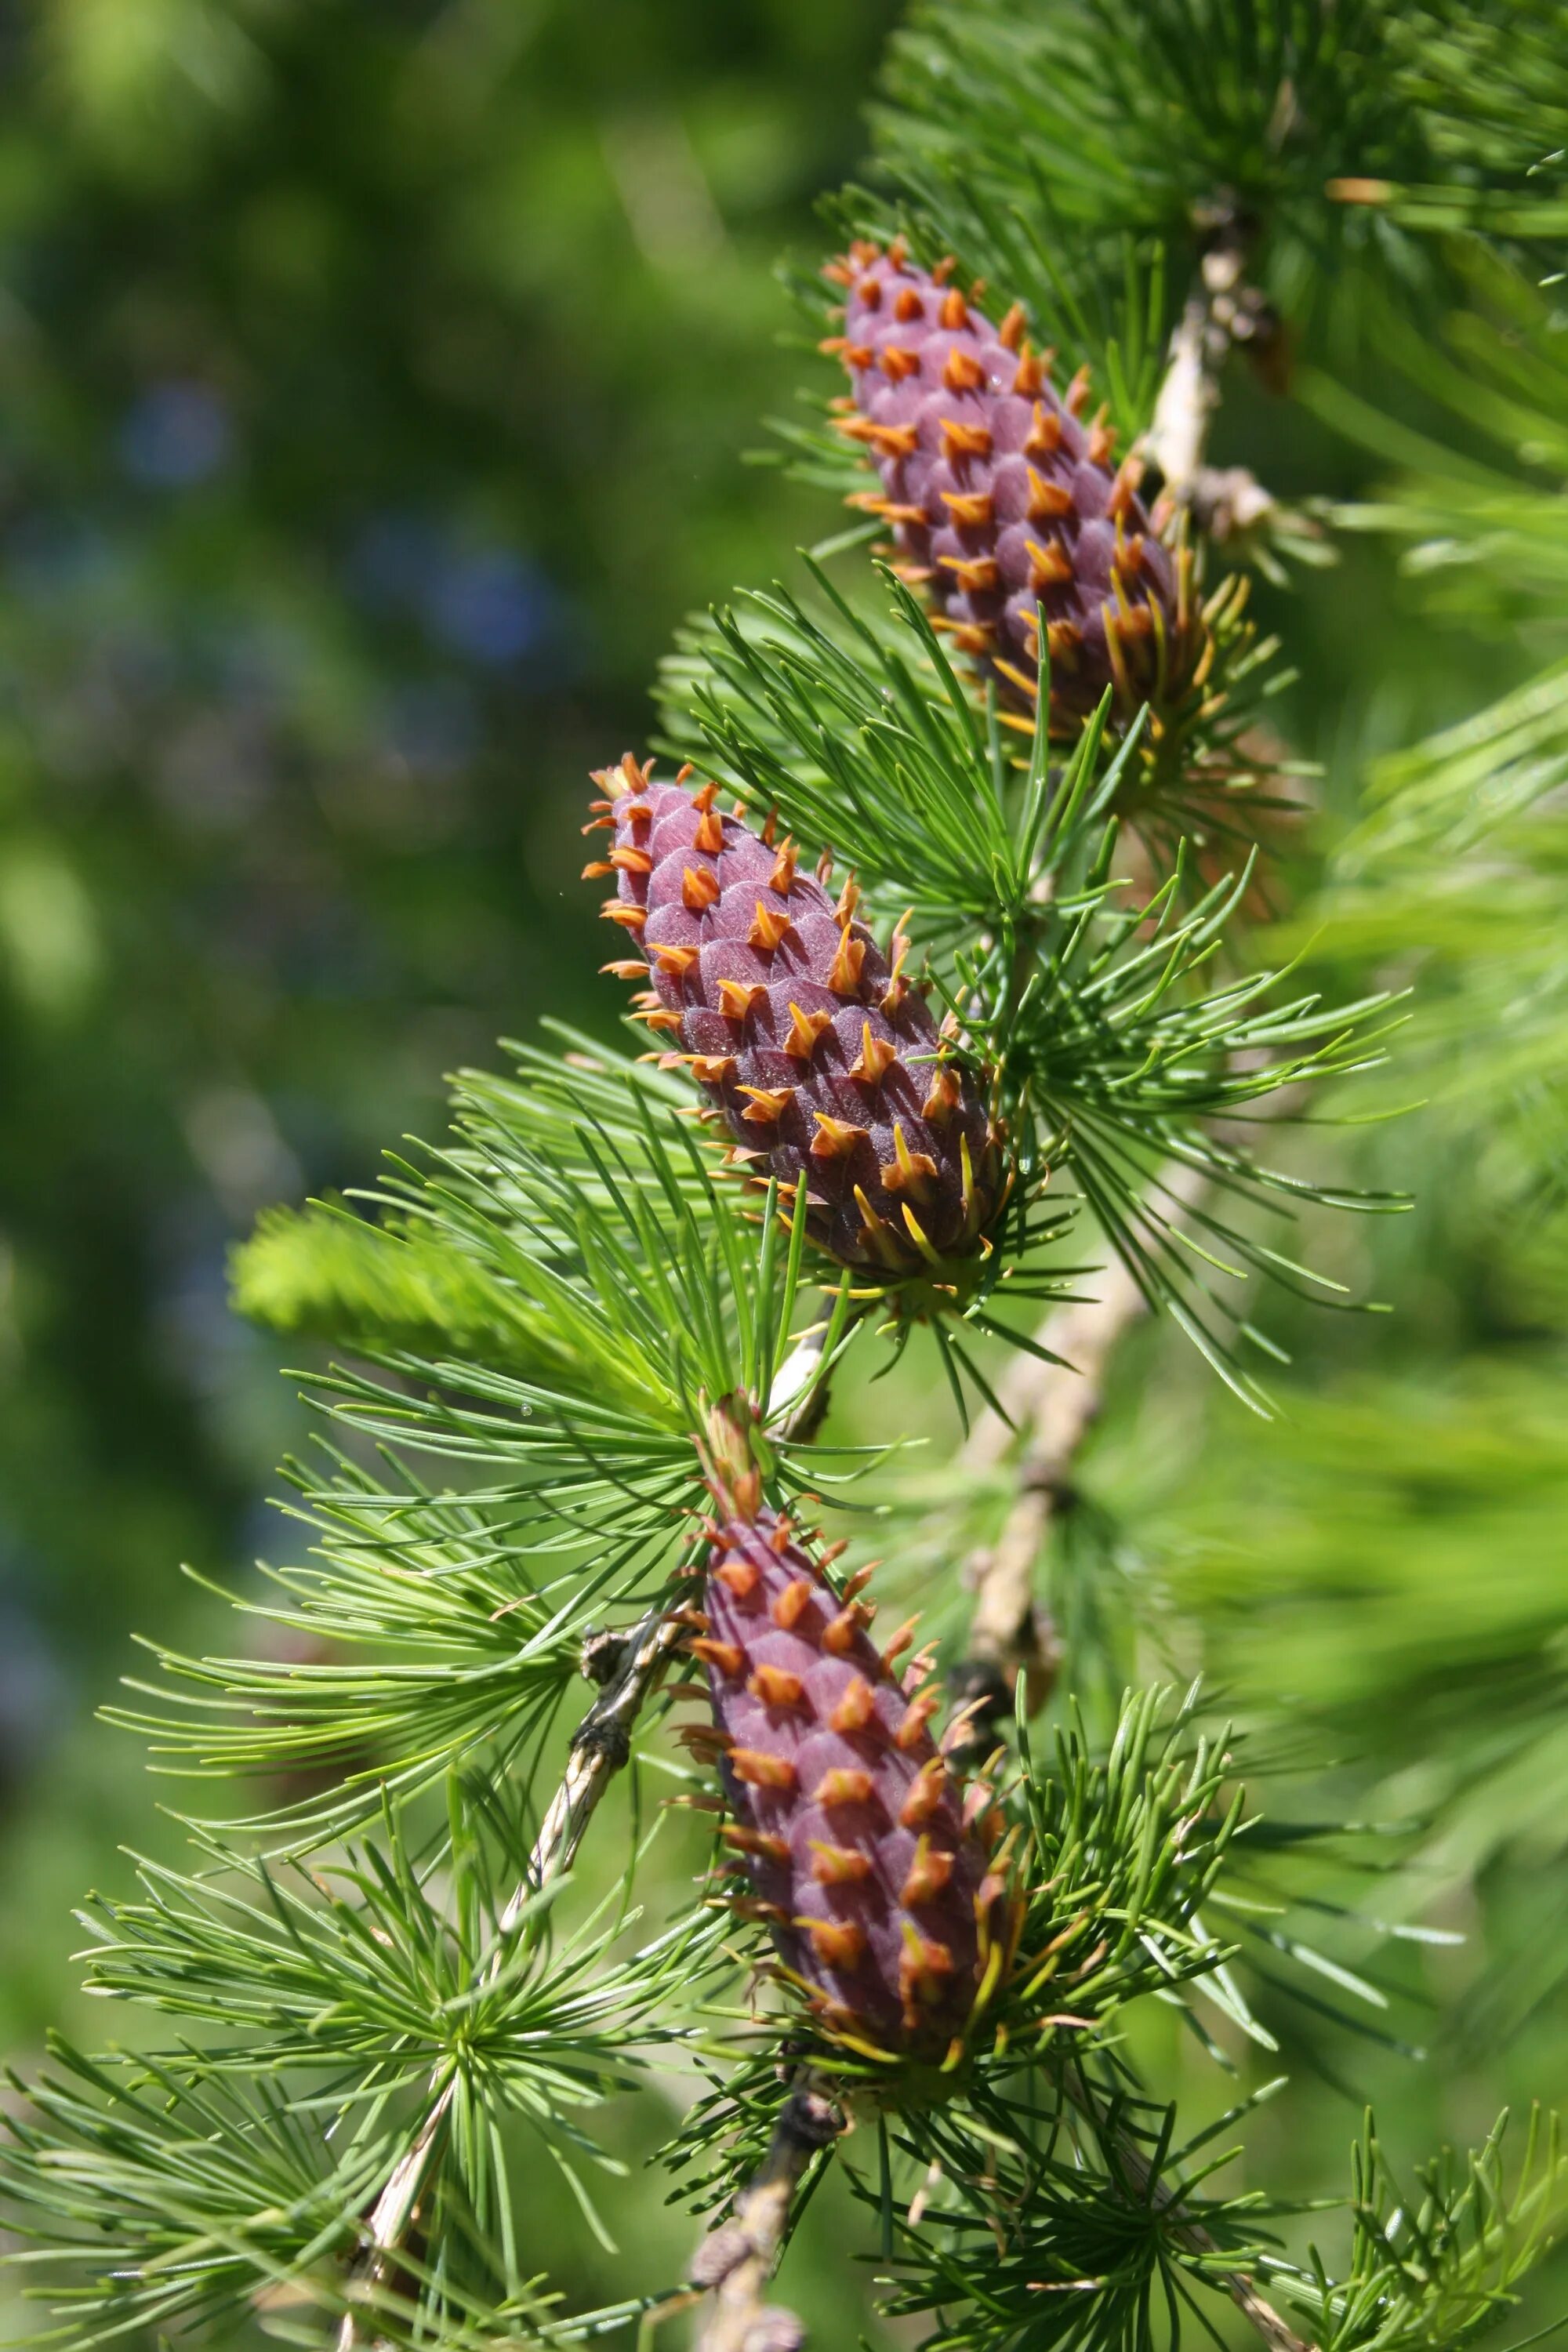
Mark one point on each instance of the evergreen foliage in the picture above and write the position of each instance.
(383, 1987)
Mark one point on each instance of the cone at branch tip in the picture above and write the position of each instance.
(1006, 499)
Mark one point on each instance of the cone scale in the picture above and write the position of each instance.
(848, 1826)
(821, 1056)
(1007, 508)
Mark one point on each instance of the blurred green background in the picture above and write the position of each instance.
(376, 387)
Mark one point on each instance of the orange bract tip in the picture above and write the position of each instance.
(911, 1731)
(626, 968)
(1076, 398)
(1011, 330)
(712, 1069)
(1049, 565)
(1047, 501)
(928, 1873)
(961, 371)
(739, 1577)
(837, 1943)
(622, 912)
(875, 1056)
(954, 309)
(625, 777)
(768, 928)
(838, 1865)
(908, 304)
(970, 510)
(895, 440)
(1045, 435)
(804, 1030)
(632, 861)
(914, 1172)
(843, 972)
(703, 1740)
(760, 1770)
(975, 574)
(757, 1842)
(676, 962)
(855, 1707)
(698, 888)
(900, 1642)
(792, 1603)
(942, 1098)
(927, 1790)
(1124, 489)
(897, 363)
(844, 1785)
(835, 1139)
(748, 1906)
(767, 1104)
(724, 1657)
(737, 998)
(839, 1632)
(776, 1686)
(710, 832)
(962, 440)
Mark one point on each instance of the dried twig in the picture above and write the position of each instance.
(1223, 312)
(736, 2260)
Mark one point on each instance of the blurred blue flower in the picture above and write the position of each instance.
(491, 605)
(175, 435)
(488, 603)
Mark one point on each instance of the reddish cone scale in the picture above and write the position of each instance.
(823, 1059)
(1006, 507)
(847, 1823)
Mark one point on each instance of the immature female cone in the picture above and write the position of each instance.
(874, 1870)
(1007, 508)
(822, 1056)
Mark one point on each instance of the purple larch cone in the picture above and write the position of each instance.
(1006, 507)
(853, 1832)
(823, 1059)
